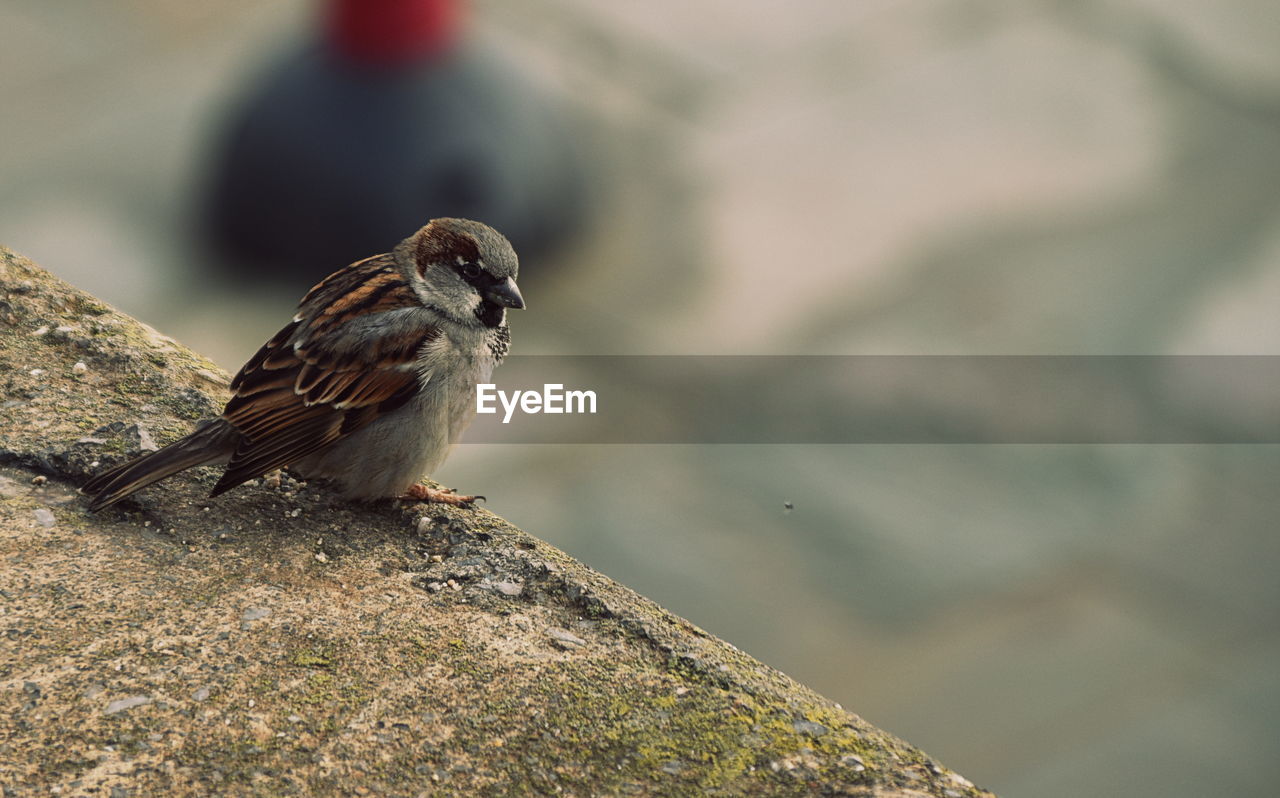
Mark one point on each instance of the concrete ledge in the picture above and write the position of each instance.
(278, 641)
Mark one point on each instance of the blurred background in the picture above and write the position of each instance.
(707, 177)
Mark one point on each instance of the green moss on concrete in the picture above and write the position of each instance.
(311, 658)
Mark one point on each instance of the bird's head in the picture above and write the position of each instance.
(464, 269)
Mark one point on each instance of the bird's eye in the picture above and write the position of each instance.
(470, 271)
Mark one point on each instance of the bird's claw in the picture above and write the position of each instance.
(422, 493)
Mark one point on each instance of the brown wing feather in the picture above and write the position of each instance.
(305, 436)
(295, 396)
(372, 285)
(272, 355)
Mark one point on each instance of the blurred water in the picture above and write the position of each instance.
(825, 177)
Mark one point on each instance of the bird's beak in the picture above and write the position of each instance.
(506, 294)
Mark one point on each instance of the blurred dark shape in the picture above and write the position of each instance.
(343, 148)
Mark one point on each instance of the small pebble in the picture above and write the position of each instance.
(145, 442)
(256, 613)
(201, 694)
(853, 762)
(321, 557)
(564, 639)
(45, 518)
(40, 480)
(121, 704)
(36, 372)
(80, 367)
(810, 728)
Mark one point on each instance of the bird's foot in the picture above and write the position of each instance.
(422, 493)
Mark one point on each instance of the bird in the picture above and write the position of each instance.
(369, 383)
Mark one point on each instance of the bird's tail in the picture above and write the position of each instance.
(212, 443)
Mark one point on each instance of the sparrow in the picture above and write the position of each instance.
(369, 383)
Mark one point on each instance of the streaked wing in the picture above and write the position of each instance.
(301, 393)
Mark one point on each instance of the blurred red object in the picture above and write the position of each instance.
(392, 31)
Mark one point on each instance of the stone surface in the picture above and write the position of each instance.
(139, 653)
